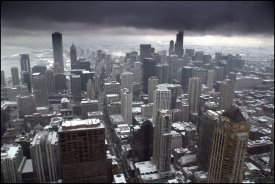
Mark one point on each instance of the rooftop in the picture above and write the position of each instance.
(9, 151)
(81, 124)
(27, 166)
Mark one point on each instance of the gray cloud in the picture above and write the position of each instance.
(224, 18)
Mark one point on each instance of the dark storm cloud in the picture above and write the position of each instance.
(225, 18)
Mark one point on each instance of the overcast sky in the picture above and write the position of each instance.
(29, 22)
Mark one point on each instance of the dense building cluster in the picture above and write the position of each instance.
(148, 117)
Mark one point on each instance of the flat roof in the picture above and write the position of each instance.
(82, 124)
(27, 166)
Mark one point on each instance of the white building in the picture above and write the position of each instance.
(45, 156)
(194, 90)
(126, 105)
(127, 79)
(11, 157)
(152, 84)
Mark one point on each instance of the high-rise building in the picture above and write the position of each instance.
(162, 72)
(15, 76)
(209, 121)
(152, 84)
(162, 100)
(76, 88)
(145, 51)
(3, 78)
(73, 56)
(60, 83)
(112, 88)
(26, 80)
(88, 106)
(227, 89)
(25, 63)
(58, 52)
(11, 157)
(137, 72)
(162, 141)
(40, 91)
(126, 105)
(229, 148)
(83, 151)
(194, 90)
(210, 79)
(149, 66)
(25, 105)
(39, 69)
(127, 79)
(186, 73)
(179, 44)
(171, 47)
(45, 156)
(50, 81)
(85, 76)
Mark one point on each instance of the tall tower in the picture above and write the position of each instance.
(186, 73)
(137, 72)
(227, 89)
(179, 44)
(126, 105)
(162, 141)
(127, 79)
(58, 52)
(229, 148)
(210, 79)
(50, 81)
(194, 90)
(145, 51)
(73, 56)
(171, 47)
(162, 100)
(83, 151)
(3, 78)
(76, 88)
(45, 156)
(25, 63)
(40, 90)
(152, 84)
(149, 66)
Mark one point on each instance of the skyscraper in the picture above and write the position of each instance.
(73, 56)
(60, 83)
(152, 84)
(39, 69)
(162, 72)
(50, 81)
(25, 63)
(162, 141)
(227, 89)
(26, 80)
(149, 66)
(210, 79)
(76, 88)
(127, 79)
(162, 100)
(171, 47)
(137, 72)
(229, 148)
(126, 105)
(179, 44)
(83, 151)
(186, 73)
(3, 78)
(11, 157)
(194, 90)
(40, 90)
(58, 52)
(45, 156)
(145, 51)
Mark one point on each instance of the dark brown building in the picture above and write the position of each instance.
(83, 151)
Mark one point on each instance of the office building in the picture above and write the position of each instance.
(25, 171)
(88, 106)
(25, 105)
(26, 80)
(209, 121)
(39, 69)
(73, 56)
(45, 156)
(15, 76)
(142, 141)
(162, 72)
(145, 51)
(25, 63)
(152, 84)
(3, 78)
(127, 79)
(82, 147)
(162, 100)
(126, 105)
(50, 81)
(58, 52)
(186, 73)
(137, 72)
(40, 90)
(227, 89)
(11, 157)
(76, 88)
(112, 88)
(162, 141)
(194, 90)
(179, 44)
(60, 83)
(229, 148)
(149, 66)
(171, 48)
(147, 110)
(85, 76)
(210, 79)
